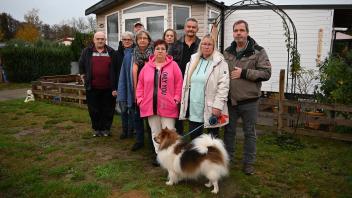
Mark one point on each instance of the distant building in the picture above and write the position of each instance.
(66, 41)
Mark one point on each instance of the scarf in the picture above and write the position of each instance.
(141, 57)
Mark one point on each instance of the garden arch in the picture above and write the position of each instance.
(293, 59)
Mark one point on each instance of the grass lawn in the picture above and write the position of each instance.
(8, 86)
(48, 150)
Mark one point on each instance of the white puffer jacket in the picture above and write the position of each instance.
(216, 89)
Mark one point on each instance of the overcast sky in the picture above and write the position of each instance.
(55, 11)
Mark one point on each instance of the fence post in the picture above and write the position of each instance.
(281, 101)
(1, 79)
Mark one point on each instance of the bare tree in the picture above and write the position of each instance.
(92, 24)
(82, 24)
(32, 17)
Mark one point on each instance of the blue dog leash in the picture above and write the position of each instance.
(193, 130)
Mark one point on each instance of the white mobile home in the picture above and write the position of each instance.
(314, 24)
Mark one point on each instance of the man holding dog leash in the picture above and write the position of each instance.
(249, 65)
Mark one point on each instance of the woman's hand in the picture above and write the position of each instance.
(216, 112)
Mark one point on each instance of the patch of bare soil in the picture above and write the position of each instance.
(27, 132)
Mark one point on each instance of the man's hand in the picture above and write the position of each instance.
(236, 73)
(114, 93)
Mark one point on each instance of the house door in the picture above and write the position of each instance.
(153, 16)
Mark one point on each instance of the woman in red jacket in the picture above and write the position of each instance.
(159, 90)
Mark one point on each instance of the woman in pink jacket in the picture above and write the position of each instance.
(159, 90)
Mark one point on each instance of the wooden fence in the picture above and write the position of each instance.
(304, 116)
(293, 116)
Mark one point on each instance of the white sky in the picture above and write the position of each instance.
(55, 11)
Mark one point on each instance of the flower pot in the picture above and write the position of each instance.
(311, 123)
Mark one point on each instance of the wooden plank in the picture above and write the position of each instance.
(73, 96)
(271, 115)
(322, 134)
(312, 105)
(63, 85)
(343, 122)
(268, 101)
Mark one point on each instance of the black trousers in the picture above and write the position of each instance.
(199, 131)
(101, 107)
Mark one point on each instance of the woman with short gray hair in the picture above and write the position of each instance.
(124, 98)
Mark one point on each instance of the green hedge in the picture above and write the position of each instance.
(25, 63)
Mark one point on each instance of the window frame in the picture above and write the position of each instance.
(118, 26)
(172, 13)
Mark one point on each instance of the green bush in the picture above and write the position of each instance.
(335, 80)
(336, 85)
(80, 42)
(25, 62)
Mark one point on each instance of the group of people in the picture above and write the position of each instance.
(169, 80)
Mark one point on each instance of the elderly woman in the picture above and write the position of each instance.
(125, 100)
(205, 89)
(159, 90)
(141, 53)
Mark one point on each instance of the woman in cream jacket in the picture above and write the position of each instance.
(205, 89)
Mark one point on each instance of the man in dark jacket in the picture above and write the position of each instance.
(249, 65)
(182, 50)
(187, 45)
(97, 67)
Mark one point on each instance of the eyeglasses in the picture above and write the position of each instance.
(126, 40)
(142, 38)
(207, 44)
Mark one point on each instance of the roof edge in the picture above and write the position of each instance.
(305, 7)
(101, 5)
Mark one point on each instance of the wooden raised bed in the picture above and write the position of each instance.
(60, 88)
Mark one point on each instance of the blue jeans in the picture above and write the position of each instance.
(138, 124)
(127, 122)
(248, 113)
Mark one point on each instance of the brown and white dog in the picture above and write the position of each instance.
(205, 156)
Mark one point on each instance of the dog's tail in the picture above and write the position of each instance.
(204, 141)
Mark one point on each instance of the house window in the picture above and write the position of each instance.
(129, 24)
(113, 30)
(156, 27)
(180, 14)
(152, 15)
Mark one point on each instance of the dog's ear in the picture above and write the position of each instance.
(167, 139)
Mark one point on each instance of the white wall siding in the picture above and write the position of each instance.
(266, 27)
